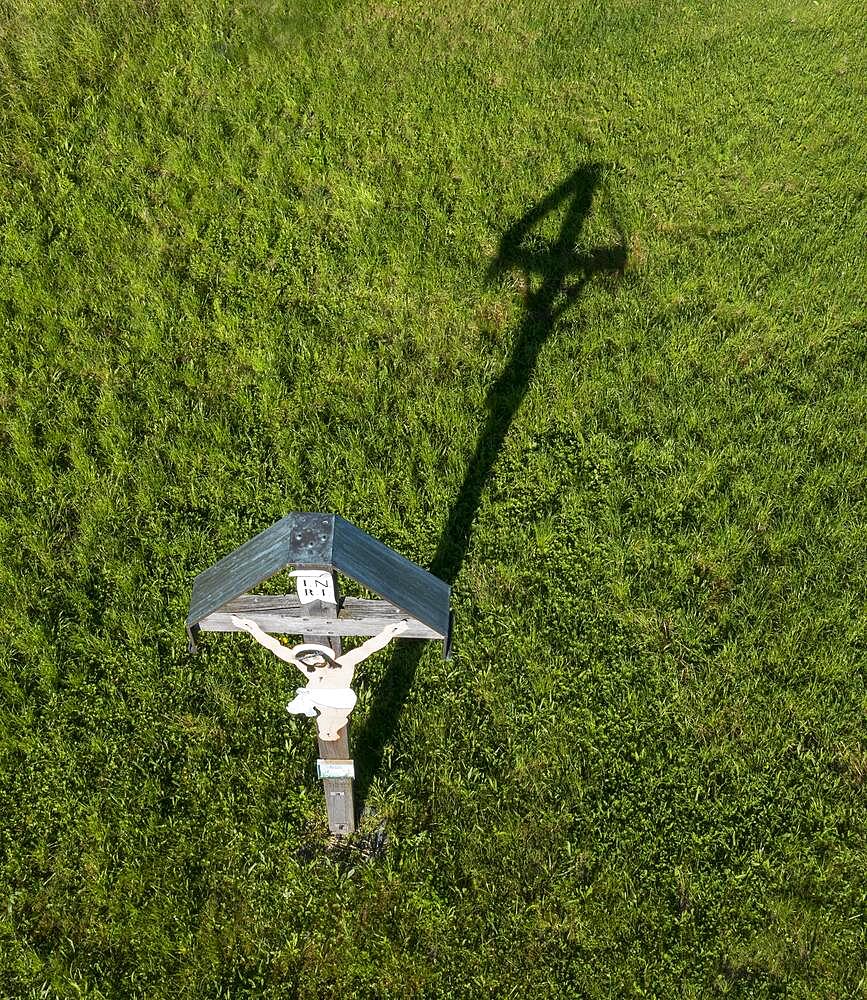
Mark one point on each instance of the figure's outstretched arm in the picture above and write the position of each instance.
(350, 659)
(355, 656)
(268, 641)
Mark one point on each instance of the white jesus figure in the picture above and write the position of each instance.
(328, 691)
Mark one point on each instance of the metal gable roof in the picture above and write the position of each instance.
(322, 541)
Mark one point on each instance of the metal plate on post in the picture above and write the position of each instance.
(335, 768)
(340, 805)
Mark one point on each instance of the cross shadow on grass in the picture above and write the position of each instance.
(560, 274)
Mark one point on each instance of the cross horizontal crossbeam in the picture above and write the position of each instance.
(284, 613)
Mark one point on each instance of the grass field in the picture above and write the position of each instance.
(563, 301)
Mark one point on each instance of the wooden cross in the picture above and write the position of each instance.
(412, 604)
(329, 697)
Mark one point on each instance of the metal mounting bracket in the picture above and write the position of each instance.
(335, 768)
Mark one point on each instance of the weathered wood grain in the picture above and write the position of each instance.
(285, 614)
(339, 799)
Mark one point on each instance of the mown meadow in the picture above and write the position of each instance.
(563, 301)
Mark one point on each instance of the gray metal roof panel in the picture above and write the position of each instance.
(387, 573)
(297, 539)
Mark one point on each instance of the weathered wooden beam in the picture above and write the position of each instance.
(339, 800)
(284, 613)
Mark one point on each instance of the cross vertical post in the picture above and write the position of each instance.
(339, 801)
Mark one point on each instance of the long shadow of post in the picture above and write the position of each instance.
(562, 273)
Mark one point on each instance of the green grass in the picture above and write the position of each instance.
(248, 266)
